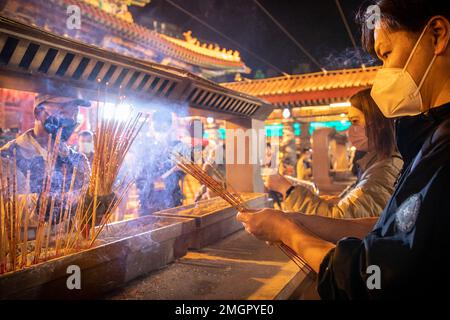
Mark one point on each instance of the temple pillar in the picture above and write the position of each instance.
(245, 151)
(321, 159)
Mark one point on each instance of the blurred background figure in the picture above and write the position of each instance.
(304, 165)
(268, 156)
(340, 160)
(214, 165)
(287, 152)
(159, 182)
(270, 169)
(85, 144)
(371, 134)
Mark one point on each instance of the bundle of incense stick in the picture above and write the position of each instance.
(64, 230)
(17, 251)
(13, 210)
(113, 138)
(229, 194)
(16, 210)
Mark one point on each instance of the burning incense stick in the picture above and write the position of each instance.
(113, 138)
(58, 235)
(231, 196)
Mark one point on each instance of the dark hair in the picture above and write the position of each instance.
(379, 129)
(38, 109)
(86, 134)
(407, 15)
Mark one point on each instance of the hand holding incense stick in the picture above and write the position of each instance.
(232, 197)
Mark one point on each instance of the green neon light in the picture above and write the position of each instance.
(276, 130)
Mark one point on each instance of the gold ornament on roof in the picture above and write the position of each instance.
(215, 49)
(119, 8)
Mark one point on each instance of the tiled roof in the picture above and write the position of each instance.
(155, 40)
(308, 89)
(60, 65)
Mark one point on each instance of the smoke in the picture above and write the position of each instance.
(149, 160)
(347, 59)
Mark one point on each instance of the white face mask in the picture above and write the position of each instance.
(358, 138)
(395, 91)
(86, 147)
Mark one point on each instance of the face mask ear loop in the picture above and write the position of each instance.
(426, 74)
(415, 48)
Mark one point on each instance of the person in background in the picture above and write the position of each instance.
(159, 182)
(304, 167)
(214, 165)
(287, 166)
(52, 113)
(372, 134)
(86, 144)
(270, 167)
(406, 249)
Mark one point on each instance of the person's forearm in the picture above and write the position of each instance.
(333, 230)
(302, 200)
(311, 248)
(282, 186)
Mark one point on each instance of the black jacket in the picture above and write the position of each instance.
(411, 241)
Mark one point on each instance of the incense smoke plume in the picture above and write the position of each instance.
(347, 59)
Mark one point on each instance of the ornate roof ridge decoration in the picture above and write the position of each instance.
(118, 7)
(33, 59)
(319, 88)
(322, 74)
(170, 46)
(193, 44)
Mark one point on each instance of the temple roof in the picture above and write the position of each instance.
(308, 89)
(170, 47)
(36, 60)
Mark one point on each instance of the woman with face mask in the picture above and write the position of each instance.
(379, 166)
(398, 256)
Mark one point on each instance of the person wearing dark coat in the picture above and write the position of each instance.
(404, 254)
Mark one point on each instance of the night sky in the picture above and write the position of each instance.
(316, 24)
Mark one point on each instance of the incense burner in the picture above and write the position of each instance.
(128, 249)
(125, 250)
(214, 219)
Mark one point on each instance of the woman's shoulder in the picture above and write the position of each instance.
(394, 161)
(382, 172)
